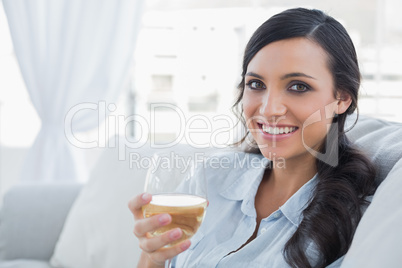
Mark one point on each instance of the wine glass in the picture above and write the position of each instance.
(178, 187)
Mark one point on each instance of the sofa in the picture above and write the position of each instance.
(89, 225)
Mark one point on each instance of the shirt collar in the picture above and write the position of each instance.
(294, 206)
(245, 176)
(242, 179)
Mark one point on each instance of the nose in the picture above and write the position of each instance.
(272, 104)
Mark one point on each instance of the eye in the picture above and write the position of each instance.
(255, 84)
(299, 88)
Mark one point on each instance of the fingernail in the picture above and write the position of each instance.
(175, 234)
(185, 245)
(164, 218)
(145, 196)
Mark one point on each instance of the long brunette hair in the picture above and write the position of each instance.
(330, 219)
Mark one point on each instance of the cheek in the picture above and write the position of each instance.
(315, 126)
(249, 106)
(314, 134)
(321, 108)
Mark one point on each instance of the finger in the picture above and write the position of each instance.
(136, 203)
(157, 242)
(150, 224)
(168, 253)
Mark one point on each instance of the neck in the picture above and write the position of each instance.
(293, 175)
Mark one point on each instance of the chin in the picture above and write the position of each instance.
(271, 154)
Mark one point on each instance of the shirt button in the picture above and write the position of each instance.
(263, 230)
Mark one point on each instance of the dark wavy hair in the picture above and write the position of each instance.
(335, 209)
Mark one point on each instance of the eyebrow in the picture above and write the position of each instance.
(286, 76)
(255, 75)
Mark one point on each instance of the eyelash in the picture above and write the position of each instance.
(249, 83)
(296, 83)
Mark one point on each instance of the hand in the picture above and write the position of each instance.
(153, 247)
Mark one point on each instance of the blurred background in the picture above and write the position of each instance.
(188, 54)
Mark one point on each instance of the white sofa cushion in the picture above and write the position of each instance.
(32, 217)
(377, 242)
(97, 230)
(25, 264)
(381, 141)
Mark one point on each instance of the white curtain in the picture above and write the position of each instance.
(70, 52)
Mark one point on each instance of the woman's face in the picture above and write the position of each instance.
(289, 99)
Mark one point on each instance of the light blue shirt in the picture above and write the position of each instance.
(231, 219)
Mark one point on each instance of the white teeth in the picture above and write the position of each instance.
(278, 130)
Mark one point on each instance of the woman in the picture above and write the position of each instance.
(300, 81)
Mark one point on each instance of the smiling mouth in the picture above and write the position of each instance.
(277, 130)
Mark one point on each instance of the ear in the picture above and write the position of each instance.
(344, 101)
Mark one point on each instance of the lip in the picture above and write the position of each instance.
(276, 137)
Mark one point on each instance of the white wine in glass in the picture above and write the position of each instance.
(177, 190)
